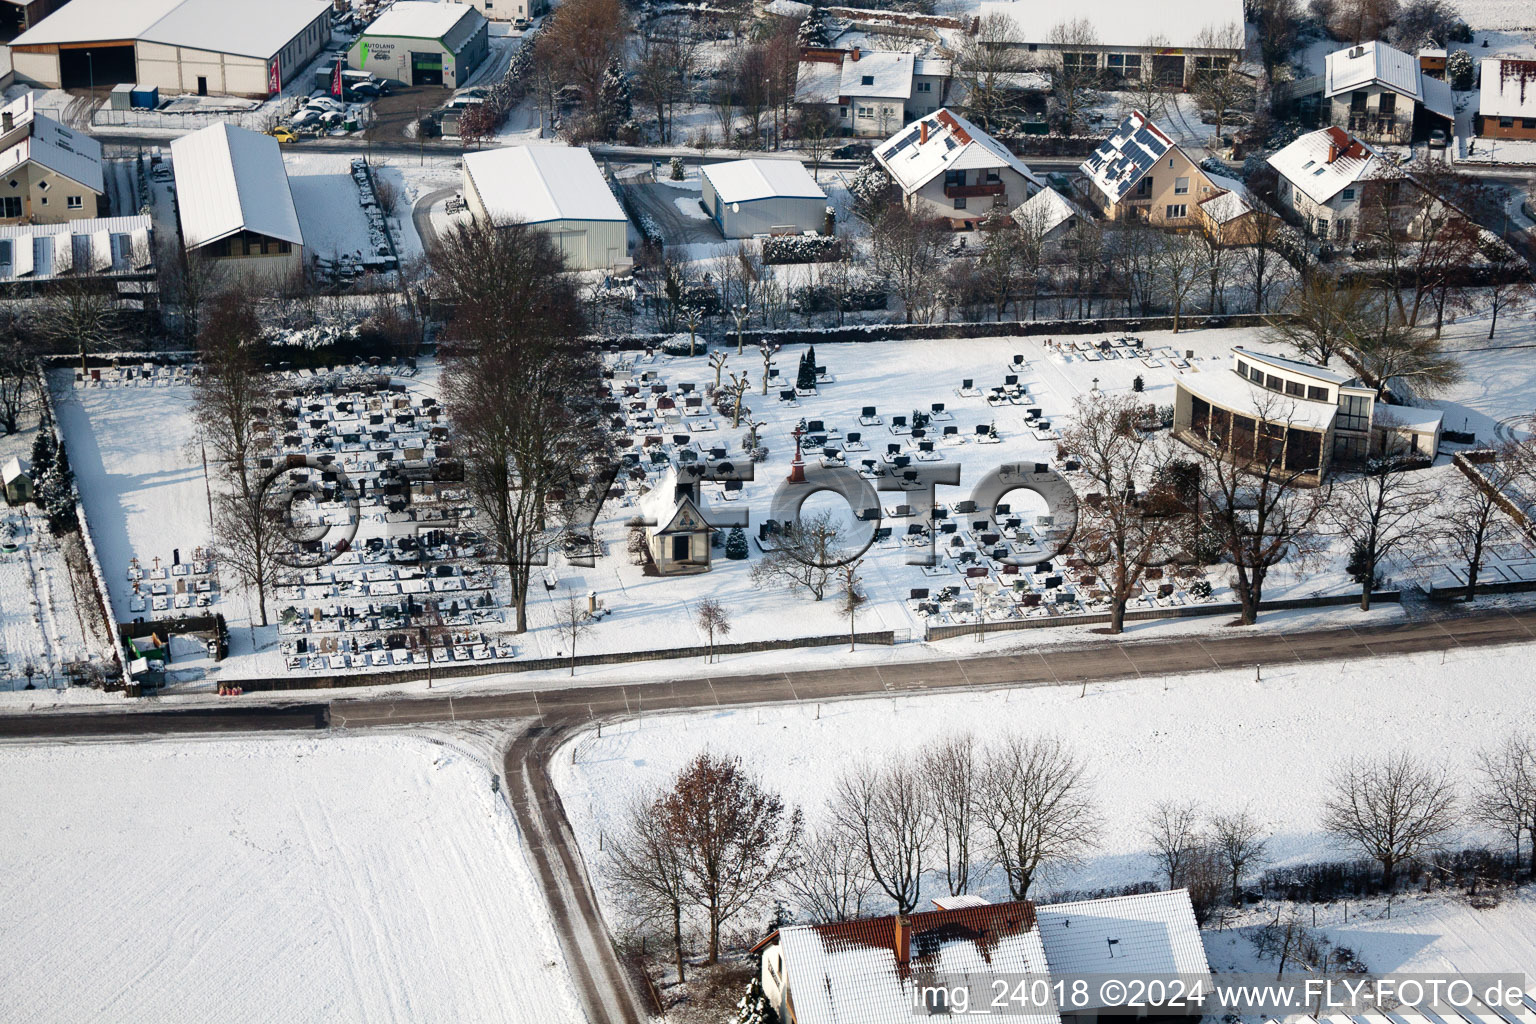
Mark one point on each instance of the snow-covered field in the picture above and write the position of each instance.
(1220, 738)
(325, 197)
(288, 879)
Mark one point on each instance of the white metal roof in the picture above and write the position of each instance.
(1325, 162)
(1050, 207)
(258, 29)
(1373, 63)
(953, 144)
(1122, 23)
(1507, 87)
(420, 19)
(538, 184)
(877, 74)
(1136, 144)
(49, 143)
(228, 180)
(744, 181)
(106, 245)
(1154, 933)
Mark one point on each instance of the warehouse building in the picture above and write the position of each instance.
(557, 188)
(418, 42)
(763, 197)
(235, 207)
(16, 16)
(208, 47)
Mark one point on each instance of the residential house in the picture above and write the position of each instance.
(948, 168)
(1233, 214)
(49, 174)
(885, 969)
(763, 197)
(1052, 216)
(1322, 181)
(1128, 40)
(1383, 95)
(677, 531)
(234, 204)
(1320, 417)
(1506, 106)
(870, 92)
(1140, 172)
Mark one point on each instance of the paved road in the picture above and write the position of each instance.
(677, 227)
(421, 216)
(607, 991)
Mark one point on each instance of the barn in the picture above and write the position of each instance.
(762, 197)
(417, 42)
(557, 188)
(208, 47)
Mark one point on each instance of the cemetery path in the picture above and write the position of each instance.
(547, 718)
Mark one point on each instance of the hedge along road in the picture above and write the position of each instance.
(548, 717)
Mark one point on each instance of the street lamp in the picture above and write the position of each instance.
(90, 67)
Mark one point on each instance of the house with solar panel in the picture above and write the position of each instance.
(1140, 172)
(949, 169)
(944, 961)
(49, 174)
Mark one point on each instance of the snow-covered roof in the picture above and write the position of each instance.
(1153, 933)
(851, 973)
(1325, 162)
(16, 467)
(818, 81)
(1321, 373)
(1230, 391)
(1406, 417)
(228, 180)
(1507, 87)
(1118, 24)
(1129, 152)
(1049, 208)
(41, 139)
(743, 181)
(1373, 63)
(1437, 96)
(424, 19)
(244, 29)
(877, 75)
(538, 184)
(663, 505)
(967, 899)
(788, 9)
(932, 67)
(98, 247)
(1233, 202)
(953, 144)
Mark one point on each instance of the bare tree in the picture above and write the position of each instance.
(951, 771)
(647, 868)
(1038, 808)
(78, 315)
(232, 391)
(987, 68)
(906, 250)
(1222, 88)
(572, 624)
(1239, 840)
(1256, 495)
(883, 812)
(1510, 291)
(1320, 315)
(251, 534)
(522, 383)
(831, 879)
(1505, 797)
(853, 595)
(1179, 263)
(1393, 809)
(738, 838)
(806, 556)
(1075, 69)
(1465, 522)
(1381, 512)
(714, 621)
(666, 58)
(578, 42)
(1119, 532)
(17, 371)
(1173, 829)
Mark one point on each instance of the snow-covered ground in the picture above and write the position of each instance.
(1220, 738)
(288, 879)
(326, 199)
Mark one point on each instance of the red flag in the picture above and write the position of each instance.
(274, 79)
(336, 81)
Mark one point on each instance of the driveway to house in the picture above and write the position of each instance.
(660, 203)
(538, 721)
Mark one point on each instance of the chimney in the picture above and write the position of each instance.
(903, 940)
(1333, 151)
(922, 132)
(7, 121)
(855, 54)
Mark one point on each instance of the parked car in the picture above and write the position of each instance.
(853, 151)
(1437, 139)
(283, 135)
(367, 91)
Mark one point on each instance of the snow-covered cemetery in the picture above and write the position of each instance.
(768, 512)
